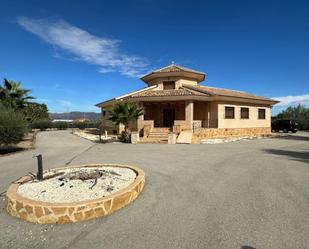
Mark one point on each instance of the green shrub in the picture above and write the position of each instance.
(86, 124)
(124, 137)
(299, 113)
(12, 126)
(80, 125)
(94, 124)
(60, 125)
(42, 124)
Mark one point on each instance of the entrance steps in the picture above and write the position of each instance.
(156, 136)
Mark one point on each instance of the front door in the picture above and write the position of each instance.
(168, 117)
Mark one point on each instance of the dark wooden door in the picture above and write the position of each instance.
(168, 117)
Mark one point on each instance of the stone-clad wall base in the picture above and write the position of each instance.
(205, 133)
(45, 212)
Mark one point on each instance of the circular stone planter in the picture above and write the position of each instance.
(65, 212)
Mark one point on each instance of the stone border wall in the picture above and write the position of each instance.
(205, 133)
(60, 213)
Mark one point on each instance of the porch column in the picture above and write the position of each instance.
(189, 113)
(140, 123)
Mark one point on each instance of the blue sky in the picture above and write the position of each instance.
(74, 54)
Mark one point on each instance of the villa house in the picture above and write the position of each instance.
(175, 102)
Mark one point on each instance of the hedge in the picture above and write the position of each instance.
(13, 126)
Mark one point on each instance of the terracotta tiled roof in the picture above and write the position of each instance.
(225, 92)
(172, 92)
(190, 91)
(175, 68)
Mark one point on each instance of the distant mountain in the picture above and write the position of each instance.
(75, 115)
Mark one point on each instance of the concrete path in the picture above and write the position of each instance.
(246, 194)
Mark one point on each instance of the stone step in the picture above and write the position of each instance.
(163, 129)
(152, 141)
(154, 138)
(157, 135)
(157, 138)
(158, 132)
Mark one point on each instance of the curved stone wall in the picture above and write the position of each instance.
(45, 212)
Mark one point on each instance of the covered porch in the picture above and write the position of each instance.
(178, 115)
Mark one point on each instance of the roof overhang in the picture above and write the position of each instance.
(183, 98)
(244, 100)
(116, 99)
(191, 75)
(168, 98)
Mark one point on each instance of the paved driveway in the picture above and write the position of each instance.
(246, 194)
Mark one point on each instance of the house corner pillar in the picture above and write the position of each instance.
(140, 120)
(189, 113)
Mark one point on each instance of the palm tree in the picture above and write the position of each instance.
(12, 95)
(124, 113)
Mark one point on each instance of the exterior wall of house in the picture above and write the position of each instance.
(154, 111)
(207, 113)
(181, 82)
(201, 109)
(237, 122)
(178, 82)
(108, 125)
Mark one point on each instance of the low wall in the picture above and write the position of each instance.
(60, 213)
(179, 126)
(205, 133)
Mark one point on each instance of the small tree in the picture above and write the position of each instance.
(124, 113)
(35, 112)
(60, 125)
(43, 124)
(299, 113)
(12, 126)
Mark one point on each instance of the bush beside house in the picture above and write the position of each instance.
(12, 126)
(17, 112)
(124, 113)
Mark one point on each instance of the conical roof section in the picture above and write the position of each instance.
(174, 70)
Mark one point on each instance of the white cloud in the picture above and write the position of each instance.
(293, 100)
(85, 46)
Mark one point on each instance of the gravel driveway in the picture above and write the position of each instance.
(245, 194)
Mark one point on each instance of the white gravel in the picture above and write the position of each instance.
(227, 140)
(92, 137)
(64, 190)
(86, 135)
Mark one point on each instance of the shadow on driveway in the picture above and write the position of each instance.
(302, 156)
(293, 137)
